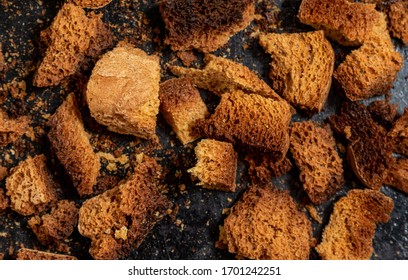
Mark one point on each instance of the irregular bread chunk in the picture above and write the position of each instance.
(397, 175)
(30, 254)
(11, 129)
(399, 134)
(398, 20)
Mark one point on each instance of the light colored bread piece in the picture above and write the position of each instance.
(181, 106)
(71, 145)
(399, 134)
(398, 20)
(301, 68)
(252, 121)
(4, 201)
(204, 25)
(351, 228)
(123, 92)
(222, 75)
(314, 150)
(119, 219)
(30, 254)
(267, 224)
(56, 226)
(397, 175)
(31, 187)
(91, 4)
(11, 129)
(216, 166)
(348, 23)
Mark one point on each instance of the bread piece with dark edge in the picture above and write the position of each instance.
(123, 91)
(30, 254)
(398, 20)
(397, 175)
(351, 228)
(11, 129)
(369, 152)
(216, 167)
(221, 75)
(263, 167)
(56, 226)
(301, 68)
(71, 145)
(252, 121)
(91, 4)
(314, 150)
(4, 201)
(383, 112)
(119, 219)
(31, 187)
(348, 23)
(181, 106)
(399, 134)
(204, 25)
(267, 224)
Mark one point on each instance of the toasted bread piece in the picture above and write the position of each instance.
(383, 112)
(216, 167)
(204, 25)
(56, 226)
(70, 36)
(398, 20)
(91, 4)
(301, 68)
(348, 23)
(250, 120)
(72, 147)
(263, 167)
(11, 129)
(123, 92)
(30, 254)
(266, 224)
(397, 175)
(314, 150)
(119, 219)
(31, 187)
(399, 134)
(181, 106)
(4, 201)
(222, 75)
(351, 228)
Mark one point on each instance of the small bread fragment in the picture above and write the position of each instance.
(252, 121)
(351, 228)
(399, 134)
(123, 92)
(4, 201)
(314, 150)
(267, 224)
(397, 175)
(263, 167)
(56, 226)
(72, 147)
(348, 23)
(204, 25)
(30, 254)
(383, 112)
(31, 187)
(398, 20)
(216, 167)
(91, 4)
(11, 129)
(301, 68)
(221, 75)
(119, 219)
(181, 106)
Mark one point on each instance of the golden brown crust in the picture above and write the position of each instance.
(11, 129)
(123, 92)
(351, 228)
(301, 68)
(72, 147)
(91, 4)
(204, 25)
(31, 187)
(399, 134)
(314, 150)
(398, 20)
(181, 106)
(266, 224)
(30, 254)
(216, 167)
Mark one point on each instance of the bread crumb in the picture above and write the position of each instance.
(313, 213)
(122, 233)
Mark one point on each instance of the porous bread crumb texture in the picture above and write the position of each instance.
(91, 4)
(31, 187)
(397, 175)
(71, 145)
(12, 129)
(369, 152)
(351, 228)
(181, 106)
(348, 23)
(4, 201)
(251, 121)
(263, 167)
(399, 134)
(204, 25)
(30, 254)
(123, 92)
(216, 166)
(301, 68)
(383, 112)
(314, 150)
(398, 20)
(132, 207)
(221, 75)
(72, 36)
(56, 226)
(266, 224)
